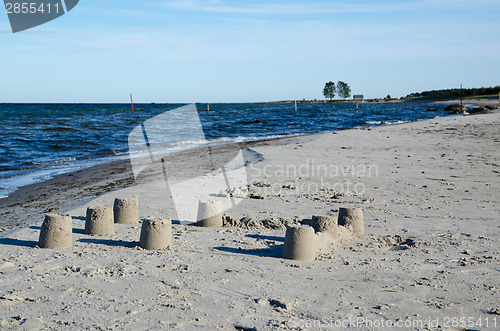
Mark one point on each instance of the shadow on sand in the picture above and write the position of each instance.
(110, 242)
(258, 236)
(18, 242)
(272, 251)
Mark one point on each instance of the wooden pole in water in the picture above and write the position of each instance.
(461, 99)
(295, 106)
(132, 102)
(208, 108)
(357, 108)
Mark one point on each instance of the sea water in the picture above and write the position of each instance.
(39, 141)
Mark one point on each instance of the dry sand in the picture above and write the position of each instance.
(428, 260)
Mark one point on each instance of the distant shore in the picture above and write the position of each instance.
(493, 101)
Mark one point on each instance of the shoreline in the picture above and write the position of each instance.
(430, 223)
(77, 187)
(25, 200)
(21, 180)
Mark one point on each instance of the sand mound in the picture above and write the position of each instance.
(273, 223)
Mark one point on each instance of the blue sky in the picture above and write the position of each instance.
(238, 51)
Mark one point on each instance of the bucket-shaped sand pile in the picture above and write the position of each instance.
(156, 234)
(300, 243)
(353, 219)
(326, 224)
(56, 232)
(99, 221)
(209, 214)
(126, 211)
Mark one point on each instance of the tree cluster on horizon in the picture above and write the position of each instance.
(455, 93)
(342, 89)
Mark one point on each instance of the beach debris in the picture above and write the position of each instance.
(479, 111)
(99, 221)
(240, 327)
(353, 219)
(56, 232)
(300, 243)
(156, 234)
(257, 196)
(241, 192)
(261, 184)
(494, 311)
(209, 214)
(394, 243)
(278, 304)
(229, 221)
(455, 109)
(126, 211)
(290, 187)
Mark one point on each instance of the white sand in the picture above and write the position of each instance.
(429, 191)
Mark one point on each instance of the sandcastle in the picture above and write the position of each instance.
(327, 224)
(353, 219)
(99, 221)
(156, 234)
(126, 211)
(300, 243)
(56, 232)
(209, 214)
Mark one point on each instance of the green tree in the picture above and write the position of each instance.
(329, 90)
(344, 90)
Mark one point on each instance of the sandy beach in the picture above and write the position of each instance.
(428, 259)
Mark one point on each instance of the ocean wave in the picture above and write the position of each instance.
(60, 129)
(59, 161)
(114, 153)
(184, 145)
(385, 122)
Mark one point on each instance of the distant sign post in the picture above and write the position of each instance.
(26, 14)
